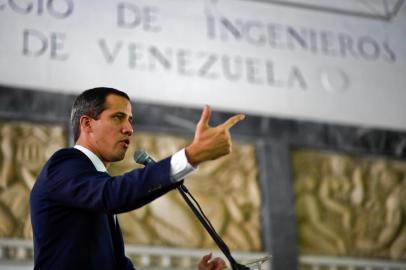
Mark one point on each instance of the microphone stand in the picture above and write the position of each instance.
(143, 158)
(209, 228)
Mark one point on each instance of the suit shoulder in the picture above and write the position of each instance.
(70, 151)
(61, 164)
(68, 155)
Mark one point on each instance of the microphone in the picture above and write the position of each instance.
(141, 157)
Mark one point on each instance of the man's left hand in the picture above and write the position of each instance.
(206, 263)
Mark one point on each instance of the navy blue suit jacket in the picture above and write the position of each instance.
(72, 207)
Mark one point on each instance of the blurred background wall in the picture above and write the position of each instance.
(317, 177)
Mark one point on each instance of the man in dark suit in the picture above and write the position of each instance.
(74, 200)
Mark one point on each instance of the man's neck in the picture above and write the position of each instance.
(93, 156)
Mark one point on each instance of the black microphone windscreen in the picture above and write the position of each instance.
(141, 157)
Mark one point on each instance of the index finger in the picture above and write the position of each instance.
(233, 120)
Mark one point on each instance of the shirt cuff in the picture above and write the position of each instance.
(180, 166)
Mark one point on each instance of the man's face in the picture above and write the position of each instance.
(111, 132)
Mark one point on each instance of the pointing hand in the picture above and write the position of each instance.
(209, 142)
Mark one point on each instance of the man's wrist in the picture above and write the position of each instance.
(190, 155)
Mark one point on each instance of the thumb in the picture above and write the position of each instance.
(207, 257)
(205, 117)
(204, 261)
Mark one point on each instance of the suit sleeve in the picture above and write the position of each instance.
(73, 181)
(129, 265)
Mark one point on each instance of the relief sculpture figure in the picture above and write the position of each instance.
(386, 241)
(8, 221)
(335, 189)
(314, 233)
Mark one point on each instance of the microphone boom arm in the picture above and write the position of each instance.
(141, 157)
(209, 228)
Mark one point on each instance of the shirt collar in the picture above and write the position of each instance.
(98, 164)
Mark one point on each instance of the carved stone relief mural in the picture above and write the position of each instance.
(227, 190)
(24, 148)
(350, 205)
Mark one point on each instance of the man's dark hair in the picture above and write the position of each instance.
(91, 103)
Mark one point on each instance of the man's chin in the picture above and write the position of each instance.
(119, 157)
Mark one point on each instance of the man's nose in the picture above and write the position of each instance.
(128, 129)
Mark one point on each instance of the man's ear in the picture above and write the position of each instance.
(85, 124)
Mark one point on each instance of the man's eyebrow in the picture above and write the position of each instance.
(120, 113)
(123, 114)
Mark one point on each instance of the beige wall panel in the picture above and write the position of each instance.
(24, 149)
(350, 205)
